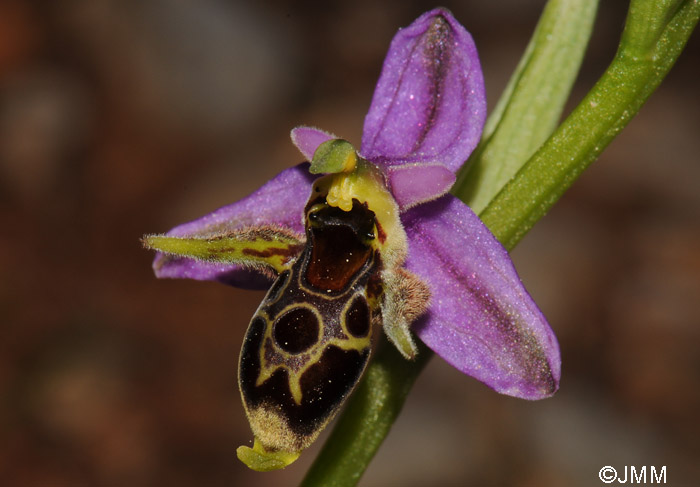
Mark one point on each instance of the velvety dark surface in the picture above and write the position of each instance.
(124, 118)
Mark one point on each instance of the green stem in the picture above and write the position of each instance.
(531, 105)
(651, 42)
(655, 34)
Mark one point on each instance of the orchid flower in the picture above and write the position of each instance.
(371, 237)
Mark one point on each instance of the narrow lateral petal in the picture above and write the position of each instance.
(278, 202)
(429, 103)
(481, 319)
(307, 139)
(269, 248)
(412, 184)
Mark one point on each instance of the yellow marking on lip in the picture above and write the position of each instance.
(348, 342)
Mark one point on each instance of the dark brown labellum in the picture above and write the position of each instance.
(310, 340)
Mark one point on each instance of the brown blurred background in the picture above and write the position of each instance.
(123, 118)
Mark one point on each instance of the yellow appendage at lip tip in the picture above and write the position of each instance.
(261, 460)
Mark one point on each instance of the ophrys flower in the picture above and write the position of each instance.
(376, 240)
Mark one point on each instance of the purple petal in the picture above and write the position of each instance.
(429, 104)
(412, 184)
(280, 202)
(481, 319)
(307, 139)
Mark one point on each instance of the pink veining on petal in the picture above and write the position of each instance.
(481, 318)
(429, 104)
(307, 139)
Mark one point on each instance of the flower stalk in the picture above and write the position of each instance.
(532, 103)
(654, 36)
